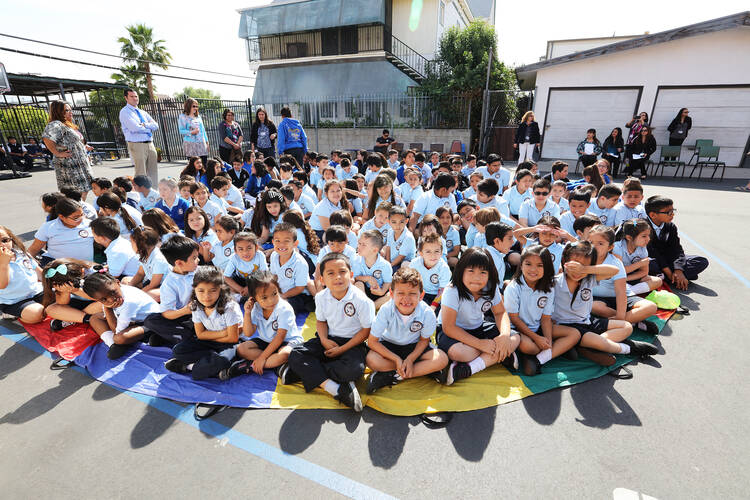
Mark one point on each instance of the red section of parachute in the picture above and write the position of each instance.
(68, 342)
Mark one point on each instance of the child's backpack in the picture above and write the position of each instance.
(664, 299)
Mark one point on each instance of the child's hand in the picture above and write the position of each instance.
(249, 305)
(576, 268)
(333, 352)
(206, 245)
(65, 288)
(542, 343)
(328, 344)
(503, 346)
(258, 364)
(400, 367)
(679, 280)
(407, 367)
(488, 346)
(5, 255)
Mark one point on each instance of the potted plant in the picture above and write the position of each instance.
(158, 155)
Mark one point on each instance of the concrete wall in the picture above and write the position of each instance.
(327, 139)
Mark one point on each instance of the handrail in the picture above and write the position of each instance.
(408, 56)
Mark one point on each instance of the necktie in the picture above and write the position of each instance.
(140, 117)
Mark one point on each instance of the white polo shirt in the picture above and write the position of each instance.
(63, 241)
(498, 202)
(392, 326)
(345, 317)
(237, 266)
(155, 264)
(532, 214)
(282, 317)
(623, 213)
(217, 322)
(381, 270)
(606, 288)
(324, 208)
(222, 253)
(349, 252)
(428, 203)
(176, 291)
(606, 215)
(515, 199)
(628, 259)
(292, 274)
(213, 211)
(529, 304)
(134, 309)
(469, 313)
(502, 176)
(121, 259)
(404, 245)
(579, 311)
(370, 224)
(22, 280)
(434, 278)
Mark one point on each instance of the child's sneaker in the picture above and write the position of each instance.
(155, 341)
(117, 350)
(531, 365)
(640, 349)
(378, 380)
(510, 362)
(648, 327)
(441, 377)
(457, 370)
(236, 369)
(57, 325)
(286, 375)
(349, 396)
(175, 365)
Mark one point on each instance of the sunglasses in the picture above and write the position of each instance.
(7, 239)
(541, 193)
(194, 107)
(668, 212)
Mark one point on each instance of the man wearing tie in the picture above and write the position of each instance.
(138, 127)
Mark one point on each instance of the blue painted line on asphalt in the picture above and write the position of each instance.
(713, 258)
(325, 477)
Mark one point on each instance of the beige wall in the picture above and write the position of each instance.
(423, 38)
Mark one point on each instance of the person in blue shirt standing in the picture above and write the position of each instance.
(138, 128)
(292, 138)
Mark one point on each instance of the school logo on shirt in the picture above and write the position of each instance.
(275, 325)
(398, 246)
(636, 259)
(434, 279)
(288, 272)
(542, 302)
(486, 306)
(210, 218)
(546, 212)
(377, 274)
(497, 175)
(449, 244)
(349, 309)
(179, 211)
(585, 294)
(27, 264)
(447, 204)
(553, 257)
(152, 199)
(603, 218)
(83, 233)
(227, 252)
(415, 326)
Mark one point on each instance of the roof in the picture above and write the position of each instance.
(28, 85)
(526, 75)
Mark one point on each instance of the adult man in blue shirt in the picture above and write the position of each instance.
(138, 128)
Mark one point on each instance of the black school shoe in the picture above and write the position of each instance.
(530, 365)
(349, 396)
(175, 365)
(287, 375)
(458, 370)
(640, 349)
(242, 367)
(379, 380)
(511, 361)
(117, 350)
(156, 341)
(441, 377)
(57, 325)
(648, 327)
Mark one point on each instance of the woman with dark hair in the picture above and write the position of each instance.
(611, 149)
(65, 142)
(230, 137)
(263, 133)
(635, 126)
(678, 129)
(640, 151)
(589, 148)
(194, 137)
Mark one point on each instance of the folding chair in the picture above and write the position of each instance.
(709, 152)
(416, 146)
(398, 146)
(457, 148)
(669, 157)
(700, 143)
(436, 147)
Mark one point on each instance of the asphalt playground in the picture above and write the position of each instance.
(677, 429)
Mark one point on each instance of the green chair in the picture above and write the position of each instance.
(699, 143)
(669, 157)
(705, 160)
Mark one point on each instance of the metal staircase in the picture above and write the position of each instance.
(409, 61)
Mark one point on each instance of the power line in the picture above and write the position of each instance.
(161, 75)
(119, 56)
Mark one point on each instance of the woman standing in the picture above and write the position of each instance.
(194, 137)
(263, 134)
(527, 136)
(635, 126)
(678, 129)
(65, 142)
(611, 149)
(640, 151)
(230, 137)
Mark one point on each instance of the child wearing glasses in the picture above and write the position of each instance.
(539, 205)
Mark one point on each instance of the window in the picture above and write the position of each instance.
(441, 13)
(296, 49)
(327, 110)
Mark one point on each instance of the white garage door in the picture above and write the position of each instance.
(721, 114)
(571, 112)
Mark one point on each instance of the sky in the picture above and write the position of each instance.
(204, 35)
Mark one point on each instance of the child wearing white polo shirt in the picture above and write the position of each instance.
(578, 202)
(380, 221)
(630, 207)
(533, 209)
(605, 202)
(153, 266)
(201, 197)
(438, 196)
(400, 245)
(499, 238)
(433, 269)
(632, 250)
(121, 259)
(474, 179)
(495, 170)
(149, 195)
(68, 234)
(247, 259)
(20, 288)
(291, 269)
(337, 240)
(487, 197)
(399, 339)
(559, 188)
(335, 358)
(372, 273)
(220, 188)
(411, 190)
(520, 192)
(225, 227)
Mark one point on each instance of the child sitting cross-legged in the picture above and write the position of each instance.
(246, 260)
(372, 273)
(121, 259)
(400, 245)
(153, 265)
(291, 269)
(20, 290)
(399, 339)
(632, 250)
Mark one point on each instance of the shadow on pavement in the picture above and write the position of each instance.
(302, 427)
(470, 432)
(387, 437)
(601, 406)
(14, 358)
(544, 408)
(152, 425)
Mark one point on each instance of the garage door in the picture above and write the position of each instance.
(721, 114)
(571, 112)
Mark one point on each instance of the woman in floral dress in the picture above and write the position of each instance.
(194, 138)
(65, 142)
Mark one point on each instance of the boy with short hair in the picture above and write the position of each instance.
(234, 196)
(288, 194)
(344, 218)
(185, 186)
(400, 243)
(335, 358)
(337, 240)
(495, 170)
(579, 202)
(149, 195)
(374, 168)
(372, 273)
(345, 170)
(291, 268)
(393, 159)
(630, 207)
(285, 173)
(175, 321)
(411, 190)
(399, 339)
(471, 165)
(534, 208)
(200, 195)
(316, 174)
(558, 195)
(439, 195)
(305, 203)
(486, 196)
(664, 248)
(583, 225)
(237, 173)
(246, 260)
(499, 238)
(121, 259)
(305, 180)
(604, 206)
(220, 186)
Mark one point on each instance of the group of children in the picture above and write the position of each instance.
(441, 275)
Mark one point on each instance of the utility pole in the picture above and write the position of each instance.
(485, 107)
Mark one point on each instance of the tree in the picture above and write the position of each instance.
(140, 48)
(131, 76)
(196, 93)
(460, 67)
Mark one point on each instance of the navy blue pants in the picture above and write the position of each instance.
(694, 265)
(314, 367)
(209, 357)
(172, 331)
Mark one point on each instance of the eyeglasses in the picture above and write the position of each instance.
(74, 217)
(194, 107)
(541, 193)
(668, 212)
(7, 239)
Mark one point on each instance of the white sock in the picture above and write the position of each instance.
(331, 387)
(108, 337)
(544, 356)
(640, 288)
(624, 348)
(190, 366)
(477, 365)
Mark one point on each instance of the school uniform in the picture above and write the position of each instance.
(628, 259)
(515, 199)
(370, 175)
(349, 252)
(136, 307)
(213, 211)
(399, 333)
(385, 229)
(502, 176)
(88, 210)
(133, 198)
(324, 208)
(210, 357)
(409, 194)
(532, 214)
(576, 312)
(403, 245)
(428, 203)
(345, 318)
(306, 203)
(234, 198)
(155, 264)
(530, 305)
(562, 203)
(469, 315)
(498, 202)
(247, 217)
(239, 178)
(282, 317)
(176, 211)
(221, 202)
(381, 270)
(343, 175)
(63, 241)
(310, 192)
(134, 214)
(467, 171)
(23, 285)
(605, 289)
(623, 213)
(566, 222)
(176, 291)
(606, 215)
(121, 259)
(666, 251)
(452, 239)
(222, 253)
(149, 201)
(294, 206)
(209, 236)
(555, 250)
(240, 270)
(294, 273)
(469, 192)
(498, 259)
(433, 279)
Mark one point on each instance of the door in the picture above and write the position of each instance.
(570, 112)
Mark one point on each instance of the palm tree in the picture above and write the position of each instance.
(131, 76)
(140, 47)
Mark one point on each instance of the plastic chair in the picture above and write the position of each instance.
(416, 146)
(436, 147)
(457, 148)
(709, 152)
(700, 143)
(398, 146)
(669, 157)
